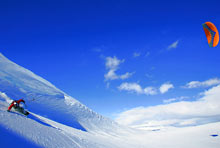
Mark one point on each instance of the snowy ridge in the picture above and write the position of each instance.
(15, 75)
(45, 99)
(8, 65)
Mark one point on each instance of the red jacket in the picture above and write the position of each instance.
(13, 103)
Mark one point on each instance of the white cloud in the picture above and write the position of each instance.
(183, 113)
(112, 64)
(136, 54)
(150, 91)
(111, 75)
(134, 87)
(207, 83)
(175, 99)
(173, 45)
(165, 87)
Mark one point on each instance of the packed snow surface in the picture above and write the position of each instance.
(58, 120)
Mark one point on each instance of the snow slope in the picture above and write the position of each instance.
(58, 120)
(52, 105)
(45, 99)
(42, 132)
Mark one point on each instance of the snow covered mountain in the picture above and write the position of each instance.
(45, 99)
(47, 103)
(58, 120)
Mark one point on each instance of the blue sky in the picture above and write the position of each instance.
(139, 44)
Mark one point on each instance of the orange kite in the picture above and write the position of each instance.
(211, 33)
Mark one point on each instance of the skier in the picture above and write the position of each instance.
(16, 105)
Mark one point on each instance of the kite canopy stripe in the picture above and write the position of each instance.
(211, 33)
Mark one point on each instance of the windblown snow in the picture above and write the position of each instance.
(58, 120)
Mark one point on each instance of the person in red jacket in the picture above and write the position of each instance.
(15, 104)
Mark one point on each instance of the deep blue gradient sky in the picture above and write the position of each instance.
(67, 43)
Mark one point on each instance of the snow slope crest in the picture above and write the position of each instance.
(44, 99)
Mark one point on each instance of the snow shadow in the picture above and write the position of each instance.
(38, 120)
(32, 117)
(56, 113)
(9, 139)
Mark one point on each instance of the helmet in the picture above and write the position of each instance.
(22, 105)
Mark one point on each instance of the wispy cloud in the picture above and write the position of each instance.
(175, 99)
(107, 85)
(169, 100)
(173, 45)
(165, 87)
(207, 83)
(147, 54)
(126, 75)
(97, 50)
(136, 54)
(136, 88)
(112, 65)
(183, 113)
(149, 76)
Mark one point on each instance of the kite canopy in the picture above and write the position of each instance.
(211, 33)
